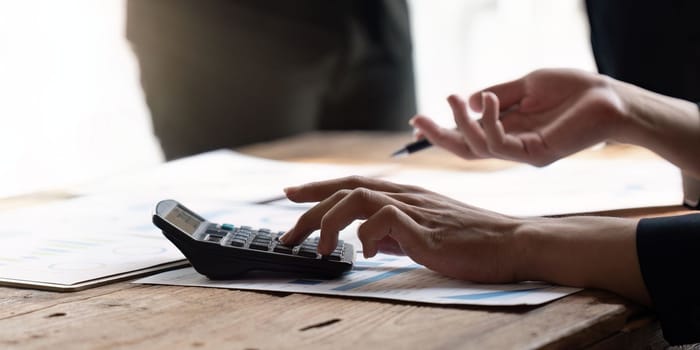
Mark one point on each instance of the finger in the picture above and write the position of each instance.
(389, 222)
(449, 139)
(388, 245)
(317, 191)
(500, 144)
(360, 203)
(472, 132)
(311, 219)
(490, 119)
(509, 93)
(417, 135)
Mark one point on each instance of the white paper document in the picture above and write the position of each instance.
(225, 174)
(382, 277)
(78, 243)
(565, 187)
(108, 234)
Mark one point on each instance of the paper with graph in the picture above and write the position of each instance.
(381, 277)
(78, 243)
(108, 235)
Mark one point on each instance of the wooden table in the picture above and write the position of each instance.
(125, 315)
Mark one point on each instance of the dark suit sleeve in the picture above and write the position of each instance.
(668, 257)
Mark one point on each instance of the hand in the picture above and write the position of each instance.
(442, 234)
(547, 115)
(470, 243)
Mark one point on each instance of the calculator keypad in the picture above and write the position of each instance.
(265, 240)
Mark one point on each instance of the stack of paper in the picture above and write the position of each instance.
(107, 234)
(84, 242)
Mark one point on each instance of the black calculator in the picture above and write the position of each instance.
(225, 251)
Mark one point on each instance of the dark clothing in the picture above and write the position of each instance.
(668, 257)
(653, 44)
(224, 73)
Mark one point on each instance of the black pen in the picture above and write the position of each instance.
(412, 147)
(424, 143)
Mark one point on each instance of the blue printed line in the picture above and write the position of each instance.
(379, 277)
(490, 295)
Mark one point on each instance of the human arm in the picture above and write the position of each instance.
(668, 126)
(652, 261)
(470, 243)
(551, 113)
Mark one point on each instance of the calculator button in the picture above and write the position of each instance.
(262, 239)
(243, 236)
(227, 227)
(331, 257)
(308, 244)
(264, 236)
(257, 245)
(213, 238)
(309, 253)
(283, 249)
(237, 243)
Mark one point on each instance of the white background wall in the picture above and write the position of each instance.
(71, 108)
(70, 104)
(462, 46)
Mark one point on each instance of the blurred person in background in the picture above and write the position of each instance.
(225, 73)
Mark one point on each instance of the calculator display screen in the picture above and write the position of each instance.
(183, 220)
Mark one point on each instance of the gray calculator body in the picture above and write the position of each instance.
(225, 251)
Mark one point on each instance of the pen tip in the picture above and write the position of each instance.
(400, 153)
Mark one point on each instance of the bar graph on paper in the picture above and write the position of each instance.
(383, 277)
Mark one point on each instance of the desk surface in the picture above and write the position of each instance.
(125, 315)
